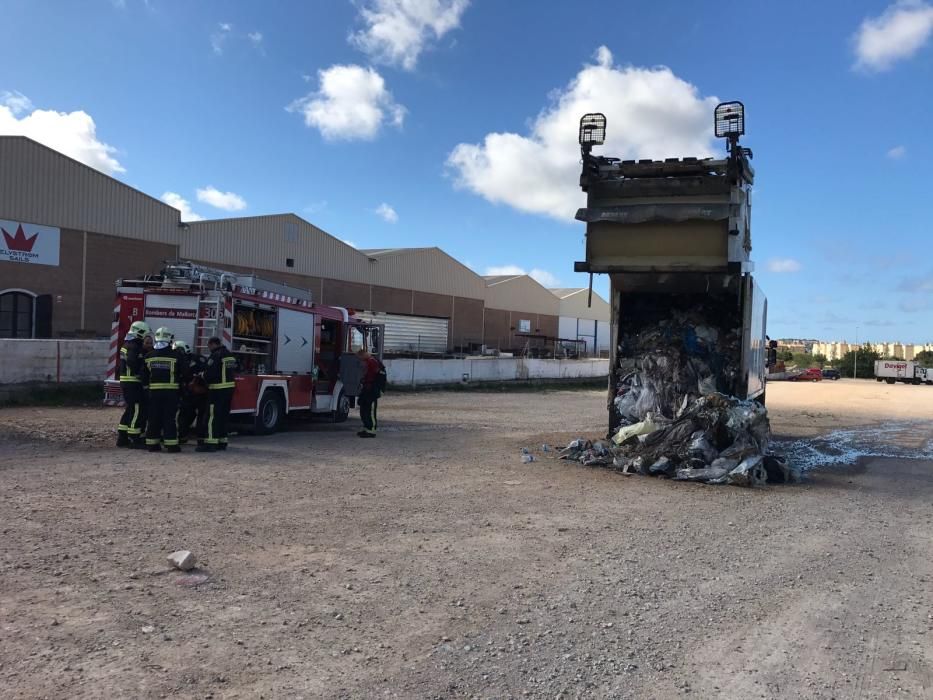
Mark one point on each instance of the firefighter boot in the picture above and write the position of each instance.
(154, 448)
(204, 447)
(123, 440)
(138, 443)
(172, 448)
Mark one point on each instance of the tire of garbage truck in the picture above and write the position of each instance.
(761, 397)
(890, 381)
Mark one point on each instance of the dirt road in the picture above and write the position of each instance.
(433, 563)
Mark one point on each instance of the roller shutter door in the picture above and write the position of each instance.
(411, 334)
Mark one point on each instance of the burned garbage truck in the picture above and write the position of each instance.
(674, 237)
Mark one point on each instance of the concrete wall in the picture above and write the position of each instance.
(52, 360)
(86, 361)
(409, 372)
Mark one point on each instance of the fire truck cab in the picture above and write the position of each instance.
(289, 349)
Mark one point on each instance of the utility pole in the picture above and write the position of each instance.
(855, 364)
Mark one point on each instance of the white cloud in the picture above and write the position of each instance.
(783, 265)
(71, 133)
(16, 101)
(543, 277)
(173, 199)
(228, 201)
(219, 37)
(255, 38)
(352, 103)
(898, 33)
(651, 114)
(397, 31)
(897, 152)
(387, 213)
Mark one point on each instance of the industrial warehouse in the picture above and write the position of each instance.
(70, 232)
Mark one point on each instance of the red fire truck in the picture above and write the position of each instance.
(288, 347)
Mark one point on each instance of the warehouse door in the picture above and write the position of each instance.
(17, 314)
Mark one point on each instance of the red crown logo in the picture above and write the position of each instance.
(19, 241)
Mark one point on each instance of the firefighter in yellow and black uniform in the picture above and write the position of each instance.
(164, 378)
(221, 380)
(133, 421)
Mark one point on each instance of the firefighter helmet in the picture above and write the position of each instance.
(140, 329)
(181, 345)
(164, 335)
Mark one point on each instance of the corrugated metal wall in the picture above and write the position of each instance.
(427, 270)
(41, 186)
(522, 294)
(267, 242)
(411, 334)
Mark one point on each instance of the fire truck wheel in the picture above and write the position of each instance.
(270, 414)
(343, 409)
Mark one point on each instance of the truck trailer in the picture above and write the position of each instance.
(674, 237)
(288, 347)
(905, 371)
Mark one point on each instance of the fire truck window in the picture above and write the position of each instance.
(357, 339)
(327, 357)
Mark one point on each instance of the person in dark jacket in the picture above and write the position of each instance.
(220, 375)
(372, 386)
(193, 402)
(130, 372)
(164, 378)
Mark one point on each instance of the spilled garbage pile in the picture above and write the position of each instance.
(672, 415)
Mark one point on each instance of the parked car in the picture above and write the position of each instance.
(808, 375)
(830, 373)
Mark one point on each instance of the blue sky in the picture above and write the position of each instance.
(452, 123)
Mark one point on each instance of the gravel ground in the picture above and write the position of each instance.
(433, 563)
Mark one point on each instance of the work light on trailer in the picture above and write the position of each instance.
(592, 130)
(729, 119)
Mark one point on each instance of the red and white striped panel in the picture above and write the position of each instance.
(114, 342)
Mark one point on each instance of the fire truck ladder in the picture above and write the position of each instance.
(209, 321)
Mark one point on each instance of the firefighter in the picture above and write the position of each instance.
(193, 402)
(220, 377)
(133, 422)
(374, 382)
(163, 372)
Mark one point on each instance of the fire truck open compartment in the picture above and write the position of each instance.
(253, 340)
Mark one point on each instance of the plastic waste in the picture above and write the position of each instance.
(527, 458)
(629, 431)
(704, 474)
(700, 447)
(662, 467)
(750, 472)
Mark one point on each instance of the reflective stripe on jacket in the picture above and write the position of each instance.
(131, 361)
(221, 370)
(162, 369)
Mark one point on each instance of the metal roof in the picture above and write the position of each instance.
(268, 242)
(39, 185)
(520, 293)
